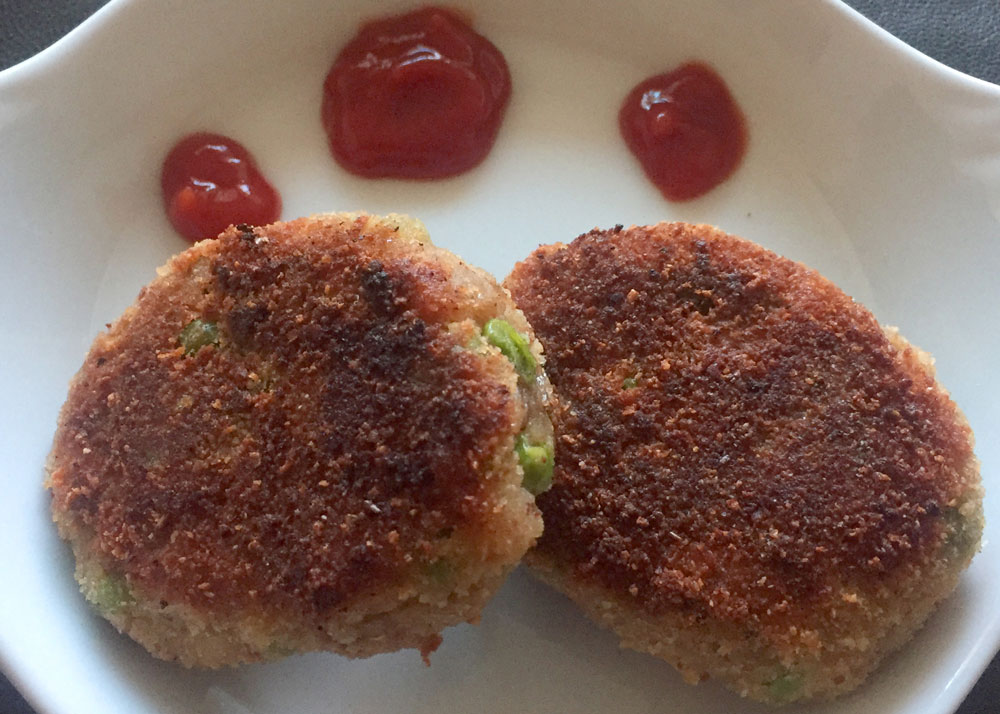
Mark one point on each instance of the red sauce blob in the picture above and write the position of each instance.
(419, 95)
(685, 129)
(210, 182)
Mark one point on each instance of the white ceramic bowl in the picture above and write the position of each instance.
(867, 160)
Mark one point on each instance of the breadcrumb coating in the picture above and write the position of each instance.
(295, 440)
(751, 474)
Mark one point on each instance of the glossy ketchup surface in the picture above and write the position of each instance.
(419, 95)
(686, 130)
(210, 182)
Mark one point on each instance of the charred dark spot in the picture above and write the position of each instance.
(227, 281)
(379, 289)
(326, 597)
(243, 321)
(702, 258)
(701, 302)
(392, 349)
(246, 233)
(408, 470)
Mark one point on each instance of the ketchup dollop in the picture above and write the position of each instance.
(210, 182)
(419, 95)
(686, 130)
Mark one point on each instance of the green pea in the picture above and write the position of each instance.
(197, 334)
(514, 346)
(630, 383)
(785, 687)
(441, 571)
(537, 460)
(277, 650)
(111, 594)
(960, 537)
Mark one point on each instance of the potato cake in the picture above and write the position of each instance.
(754, 480)
(316, 435)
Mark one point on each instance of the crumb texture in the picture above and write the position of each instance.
(741, 444)
(325, 438)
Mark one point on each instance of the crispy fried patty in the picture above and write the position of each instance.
(753, 480)
(297, 439)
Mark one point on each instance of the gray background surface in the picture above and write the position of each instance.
(964, 34)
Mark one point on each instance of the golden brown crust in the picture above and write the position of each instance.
(739, 440)
(335, 437)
